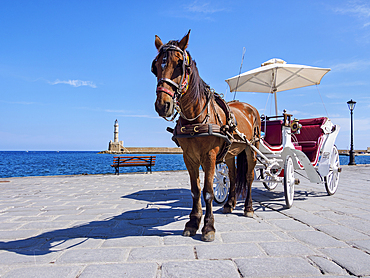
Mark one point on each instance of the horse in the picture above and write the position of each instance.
(208, 130)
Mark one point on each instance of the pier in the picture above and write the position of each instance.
(357, 152)
(146, 150)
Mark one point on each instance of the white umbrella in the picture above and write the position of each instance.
(276, 75)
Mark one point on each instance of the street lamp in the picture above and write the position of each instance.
(351, 106)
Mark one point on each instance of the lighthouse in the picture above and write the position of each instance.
(116, 131)
(115, 146)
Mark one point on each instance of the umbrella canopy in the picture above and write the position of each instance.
(274, 76)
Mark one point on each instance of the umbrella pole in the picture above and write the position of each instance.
(276, 109)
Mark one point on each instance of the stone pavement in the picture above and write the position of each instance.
(130, 226)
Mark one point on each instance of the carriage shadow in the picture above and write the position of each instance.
(276, 199)
(165, 213)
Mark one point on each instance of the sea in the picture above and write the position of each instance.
(51, 163)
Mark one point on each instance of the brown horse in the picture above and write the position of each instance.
(206, 132)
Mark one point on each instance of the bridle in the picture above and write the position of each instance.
(182, 87)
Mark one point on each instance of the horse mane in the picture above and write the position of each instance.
(197, 87)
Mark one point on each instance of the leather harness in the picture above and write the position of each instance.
(224, 131)
(207, 129)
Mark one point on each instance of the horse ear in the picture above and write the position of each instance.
(183, 44)
(158, 43)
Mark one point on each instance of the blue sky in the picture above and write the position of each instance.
(68, 69)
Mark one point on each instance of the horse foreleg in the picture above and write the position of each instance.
(231, 201)
(192, 226)
(209, 165)
(251, 161)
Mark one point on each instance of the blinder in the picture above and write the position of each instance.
(154, 68)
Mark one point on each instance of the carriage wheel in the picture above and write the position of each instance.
(269, 185)
(221, 183)
(289, 181)
(332, 179)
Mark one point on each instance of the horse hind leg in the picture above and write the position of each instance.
(231, 201)
(251, 163)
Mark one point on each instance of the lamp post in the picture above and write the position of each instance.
(351, 106)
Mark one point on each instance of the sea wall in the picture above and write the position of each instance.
(167, 150)
(147, 150)
(357, 152)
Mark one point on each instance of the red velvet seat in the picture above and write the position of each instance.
(310, 137)
(273, 132)
(314, 121)
(297, 146)
(308, 141)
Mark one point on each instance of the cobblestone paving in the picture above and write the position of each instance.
(131, 225)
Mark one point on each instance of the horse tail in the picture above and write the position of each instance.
(241, 174)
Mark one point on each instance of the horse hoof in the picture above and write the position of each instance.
(210, 236)
(189, 232)
(249, 214)
(227, 210)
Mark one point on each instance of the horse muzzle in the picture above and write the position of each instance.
(164, 103)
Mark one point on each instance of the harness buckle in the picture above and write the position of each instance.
(178, 109)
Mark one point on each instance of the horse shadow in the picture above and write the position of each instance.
(164, 214)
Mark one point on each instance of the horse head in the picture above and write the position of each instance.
(172, 69)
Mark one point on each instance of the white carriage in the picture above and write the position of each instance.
(287, 145)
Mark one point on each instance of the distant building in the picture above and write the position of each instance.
(116, 145)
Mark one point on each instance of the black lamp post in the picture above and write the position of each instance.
(351, 106)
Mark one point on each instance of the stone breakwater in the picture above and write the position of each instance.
(170, 150)
(147, 150)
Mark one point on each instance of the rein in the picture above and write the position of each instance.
(224, 131)
(182, 115)
(206, 105)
